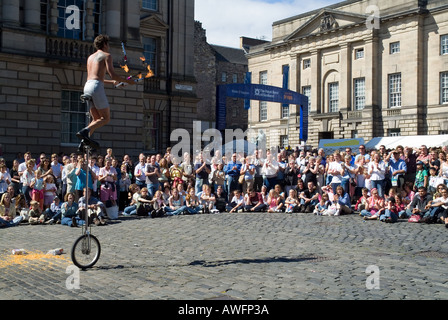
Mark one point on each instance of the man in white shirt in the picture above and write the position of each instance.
(335, 169)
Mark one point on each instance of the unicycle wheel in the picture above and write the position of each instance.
(86, 251)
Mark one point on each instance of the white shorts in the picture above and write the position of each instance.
(95, 88)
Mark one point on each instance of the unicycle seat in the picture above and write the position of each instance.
(86, 97)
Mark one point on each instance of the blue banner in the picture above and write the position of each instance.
(262, 93)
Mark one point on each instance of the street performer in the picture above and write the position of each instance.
(97, 65)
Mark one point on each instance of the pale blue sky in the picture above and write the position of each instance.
(226, 21)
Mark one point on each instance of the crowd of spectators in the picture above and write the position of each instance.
(386, 185)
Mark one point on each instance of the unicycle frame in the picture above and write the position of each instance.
(86, 228)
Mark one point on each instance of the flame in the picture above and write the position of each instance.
(143, 59)
(150, 73)
(140, 76)
(125, 68)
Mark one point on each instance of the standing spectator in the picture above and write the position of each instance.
(397, 169)
(411, 164)
(377, 172)
(434, 161)
(15, 177)
(139, 171)
(152, 176)
(248, 170)
(56, 169)
(257, 161)
(5, 179)
(108, 178)
(232, 171)
(336, 171)
(291, 176)
(202, 169)
(363, 153)
(270, 171)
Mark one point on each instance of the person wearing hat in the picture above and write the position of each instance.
(421, 176)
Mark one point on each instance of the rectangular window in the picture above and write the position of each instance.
(150, 5)
(306, 91)
(152, 131)
(235, 78)
(284, 141)
(359, 91)
(333, 97)
(223, 77)
(359, 53)
(285, 111)
(73, 116)
(444, 87)
(394, 47)
(394, 132)
(306, 63)
(264, 77)
(395, 90)
(444, 44)
(43, 15)
(263, 111)
(150, 52)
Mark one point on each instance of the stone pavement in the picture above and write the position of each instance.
(248, 256)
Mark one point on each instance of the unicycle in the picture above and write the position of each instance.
(87, 249)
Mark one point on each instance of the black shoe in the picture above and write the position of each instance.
(84, 136)
(74, 223)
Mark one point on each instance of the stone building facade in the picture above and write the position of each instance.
(218, 65)
(370, 69)
(43, 54)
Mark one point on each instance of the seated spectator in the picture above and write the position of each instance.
(437, 206)
(418, 204)
(362, 201)
(374, 205)
(254, 202)
(237, 202)
(391, 211)
(292, 202)
(309, 198)
(158, 205)
(36, 215)
(69, 212)
(207, 199)
(176, 204)
(274, 201)
(342, 200)
(8, 213)
(322, 207)
(53, 214)
(91, 208)
(220, 199)
(192, 202)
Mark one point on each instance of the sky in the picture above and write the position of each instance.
(226, 21)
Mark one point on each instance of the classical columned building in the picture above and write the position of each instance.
(44, 46)
(369, 68)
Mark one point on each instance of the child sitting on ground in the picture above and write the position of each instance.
(323, 205)
(291, 202)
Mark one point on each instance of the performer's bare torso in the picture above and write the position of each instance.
(96, 66)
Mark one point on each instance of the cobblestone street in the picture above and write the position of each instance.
(232, 256)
